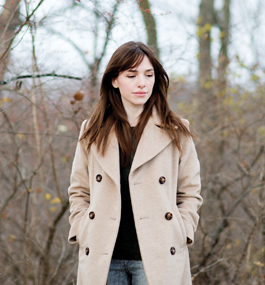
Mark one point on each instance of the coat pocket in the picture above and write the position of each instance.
(181, 224)
(82, 225)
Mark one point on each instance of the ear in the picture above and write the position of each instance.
(114, 83)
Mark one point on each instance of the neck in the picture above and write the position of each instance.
(133, 114)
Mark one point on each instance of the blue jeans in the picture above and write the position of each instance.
(126, 272)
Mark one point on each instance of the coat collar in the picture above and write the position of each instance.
(110, 161)
(153, 140)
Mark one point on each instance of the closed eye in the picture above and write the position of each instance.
(130, 76)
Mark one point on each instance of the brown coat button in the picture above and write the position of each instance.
(91, 215)
(87, 251)
(99, 178)
(162, 180)
(168, 216)
(172, 250)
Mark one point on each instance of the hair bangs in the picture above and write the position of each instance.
(133, 59)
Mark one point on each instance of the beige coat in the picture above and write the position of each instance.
(160, 179)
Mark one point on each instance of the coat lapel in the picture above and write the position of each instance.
(110, 162)
(153, 140)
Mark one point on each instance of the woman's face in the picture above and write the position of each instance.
(136, 84)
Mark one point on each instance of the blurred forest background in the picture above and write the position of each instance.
(52, 55)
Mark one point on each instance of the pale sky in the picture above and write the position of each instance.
(176, 35)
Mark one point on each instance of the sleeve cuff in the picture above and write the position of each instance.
(72, 234)
(74, 229)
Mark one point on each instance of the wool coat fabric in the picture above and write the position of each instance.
(165, 194)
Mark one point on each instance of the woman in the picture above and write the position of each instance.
(135, 184)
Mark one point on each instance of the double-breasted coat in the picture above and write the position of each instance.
(165, 194)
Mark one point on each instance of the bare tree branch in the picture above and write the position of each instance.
(38, 76)
(7, 50)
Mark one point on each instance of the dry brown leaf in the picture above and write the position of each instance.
(79, 95)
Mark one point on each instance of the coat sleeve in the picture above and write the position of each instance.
(79, 192)
(189, 186)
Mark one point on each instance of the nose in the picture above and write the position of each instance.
(141, 82)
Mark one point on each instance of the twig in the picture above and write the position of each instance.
(207, 267)
(38, 76)
(250, 238)
(32, 134)
(59, 262)
(59, 193)
(232, 208)
(221, 226)
(5, 53)
(46, 255)
(70, 41)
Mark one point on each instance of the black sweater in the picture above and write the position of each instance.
(126, 246)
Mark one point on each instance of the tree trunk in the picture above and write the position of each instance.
(95, 65)
(150, 25)
(205, 91)
(223, 60)
(210, 124)
(9, 20)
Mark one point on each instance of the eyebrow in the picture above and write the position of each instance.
(135, 71)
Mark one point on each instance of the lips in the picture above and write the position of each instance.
(140, 93)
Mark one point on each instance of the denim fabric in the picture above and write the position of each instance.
(126, 272)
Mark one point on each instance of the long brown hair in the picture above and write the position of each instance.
(110, 113)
